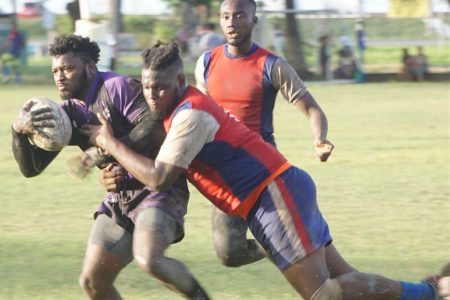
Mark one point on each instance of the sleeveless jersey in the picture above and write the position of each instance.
(243, 86)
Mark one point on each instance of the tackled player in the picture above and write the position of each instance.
(134, 222)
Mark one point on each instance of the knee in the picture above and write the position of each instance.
(93, 287)
(227, 258)
(330, 289)
(150, 264)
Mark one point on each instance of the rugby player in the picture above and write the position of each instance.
(136, 221)
(243, 175)
(249, 94)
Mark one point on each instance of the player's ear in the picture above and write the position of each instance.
(181, 78)
(91, 68)
(255, 20)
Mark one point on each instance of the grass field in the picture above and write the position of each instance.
(385, 193)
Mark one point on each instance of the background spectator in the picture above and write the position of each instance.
(407, 70)
(10, 59)
(420, 65)
(209, 39)
(323, 55)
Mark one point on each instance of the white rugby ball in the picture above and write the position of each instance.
(58, 136)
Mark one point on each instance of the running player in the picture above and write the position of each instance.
(135, 222)
(250, 94)
(242, 175)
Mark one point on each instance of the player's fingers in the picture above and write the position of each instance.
(41, 132)
(40, 111)
(44, 124)
(109, 167)
(102, 119)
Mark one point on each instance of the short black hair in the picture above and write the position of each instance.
(161, 56)
(252, 4)
(83, 47)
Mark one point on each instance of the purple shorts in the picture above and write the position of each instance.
(286, 220)
(124, 207)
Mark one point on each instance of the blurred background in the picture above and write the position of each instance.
(358, 40)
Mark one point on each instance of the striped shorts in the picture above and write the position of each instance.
(286, 220)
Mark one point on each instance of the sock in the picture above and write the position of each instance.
(417, 291)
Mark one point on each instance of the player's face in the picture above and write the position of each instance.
(237, 19)
(71, 75)
(162, 90)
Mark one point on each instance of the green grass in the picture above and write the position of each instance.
(384, 192)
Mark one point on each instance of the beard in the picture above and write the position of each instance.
(79, 89)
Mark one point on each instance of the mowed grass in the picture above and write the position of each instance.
(384, 192)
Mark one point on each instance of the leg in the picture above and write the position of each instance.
(108, 252)
(444, 283)
(155, 230)
(335, 263)
(288, 223)
(309, 274)
(232, 247)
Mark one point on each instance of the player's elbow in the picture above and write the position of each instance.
(27, 173)
(160, 186)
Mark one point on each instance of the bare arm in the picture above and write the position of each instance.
(318, 123)
(285, 79)
(154, 174)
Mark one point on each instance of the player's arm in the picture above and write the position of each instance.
(294, 90)
(31, 159)
(189, 132)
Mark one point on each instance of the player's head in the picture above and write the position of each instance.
(74, 63)
(237, 20)
(163, 79)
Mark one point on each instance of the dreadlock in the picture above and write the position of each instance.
(162, 56)
(80, 46)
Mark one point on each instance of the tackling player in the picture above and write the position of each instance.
(277, 200)
(135, 222)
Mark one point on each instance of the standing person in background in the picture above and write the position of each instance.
(245, 79)
(209, 39)
(408, 65)
(420, 65)
(360, 40)
(324, 56)
(10, 60)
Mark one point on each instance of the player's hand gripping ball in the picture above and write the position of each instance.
(57, 136)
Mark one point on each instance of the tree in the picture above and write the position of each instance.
(115, 13)
(294, 46)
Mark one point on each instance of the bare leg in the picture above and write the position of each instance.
(307, 275)
(232, 247)
(102, 266)
(335, 263)
(444, 283)
(149, 246)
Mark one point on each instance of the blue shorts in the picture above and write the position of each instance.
(286, 220)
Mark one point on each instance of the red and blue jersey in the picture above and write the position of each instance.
(233, 169)
(243, 86)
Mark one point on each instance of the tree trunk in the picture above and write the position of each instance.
(294, 47)
(116, 16)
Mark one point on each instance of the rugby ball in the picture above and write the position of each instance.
(57, 137)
